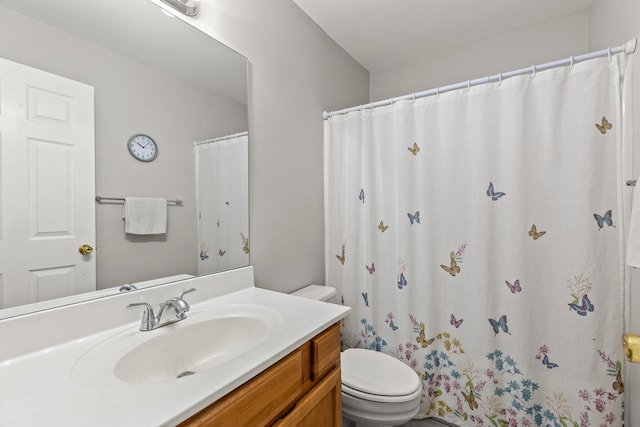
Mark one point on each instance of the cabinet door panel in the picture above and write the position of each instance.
(322, 406)
(325, 352)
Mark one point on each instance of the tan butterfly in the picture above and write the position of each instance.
(382, 227)
(605, 126)
(421, 339)
(470, 398)
(453, 269)
(535, 234)
(415, 149)
(618, 384)
(341, 258)
(245, 243)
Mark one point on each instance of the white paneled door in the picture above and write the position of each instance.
(47, 186)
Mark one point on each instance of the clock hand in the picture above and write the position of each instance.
(140, 144)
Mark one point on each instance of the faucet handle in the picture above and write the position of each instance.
(186, 292)
(148, 319)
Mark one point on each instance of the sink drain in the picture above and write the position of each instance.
(185, 374)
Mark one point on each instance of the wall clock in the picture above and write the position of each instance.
(142, 147)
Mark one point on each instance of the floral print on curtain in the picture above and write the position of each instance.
(475, 235)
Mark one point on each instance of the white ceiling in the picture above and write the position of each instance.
(140, 31)
(380, 33)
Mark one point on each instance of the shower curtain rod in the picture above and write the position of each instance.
(627, 48)
(221, 138)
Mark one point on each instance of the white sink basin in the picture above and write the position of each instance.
(206, 339)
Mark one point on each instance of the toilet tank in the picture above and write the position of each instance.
(317, 292)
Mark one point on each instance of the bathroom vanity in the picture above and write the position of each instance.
(302, 389)
(243, 356)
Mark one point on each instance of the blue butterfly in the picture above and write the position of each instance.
(493, 194)
(415, 217)
(545, 362)
(365, 296)
(394, 327)
(602, 220)
(582, 309)
(402, 281)
(203, 255)
(500, 324)
(361, 196)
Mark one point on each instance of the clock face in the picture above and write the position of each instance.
(142, 147)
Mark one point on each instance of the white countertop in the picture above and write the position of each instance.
(38, 388)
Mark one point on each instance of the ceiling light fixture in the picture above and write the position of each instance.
(186, 7)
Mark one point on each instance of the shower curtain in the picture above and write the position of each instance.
(476, 235)
(222, 197)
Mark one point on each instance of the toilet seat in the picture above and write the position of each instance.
(381, 398)
(375, 376)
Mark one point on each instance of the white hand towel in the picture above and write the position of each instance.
(145, 215)
(633, 239)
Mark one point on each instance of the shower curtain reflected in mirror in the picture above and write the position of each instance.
(476, 236)
(222, 195)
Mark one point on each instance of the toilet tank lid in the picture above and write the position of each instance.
(316, 292)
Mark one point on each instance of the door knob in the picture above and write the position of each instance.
(85, 249)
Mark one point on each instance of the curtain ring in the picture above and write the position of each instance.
(609, 53)
(438, 92)
(468, 84)
(533, 73)
(571, 65)
(413, 96)
(500, 78)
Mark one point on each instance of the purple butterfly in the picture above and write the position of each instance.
(545, 362)
(402, 281)
(515, 287)
(495, 195)
(221, 252)
(582, 309)
(361, 195)
(372, 268)
(455, 322)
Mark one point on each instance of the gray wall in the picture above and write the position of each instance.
(537, 44)
(296, 72)
(132, 98)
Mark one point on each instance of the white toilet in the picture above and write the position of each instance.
(377, 389)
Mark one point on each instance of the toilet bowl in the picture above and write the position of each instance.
(377, 389)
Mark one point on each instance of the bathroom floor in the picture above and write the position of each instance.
(427, 423)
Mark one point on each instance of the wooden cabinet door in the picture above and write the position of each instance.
(322, 406)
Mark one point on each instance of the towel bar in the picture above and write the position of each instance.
(100, 199)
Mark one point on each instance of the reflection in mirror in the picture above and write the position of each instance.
(222, 189)
(136, 70)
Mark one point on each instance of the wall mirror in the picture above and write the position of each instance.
(143, 72)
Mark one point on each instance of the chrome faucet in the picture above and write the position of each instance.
(151, 321)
